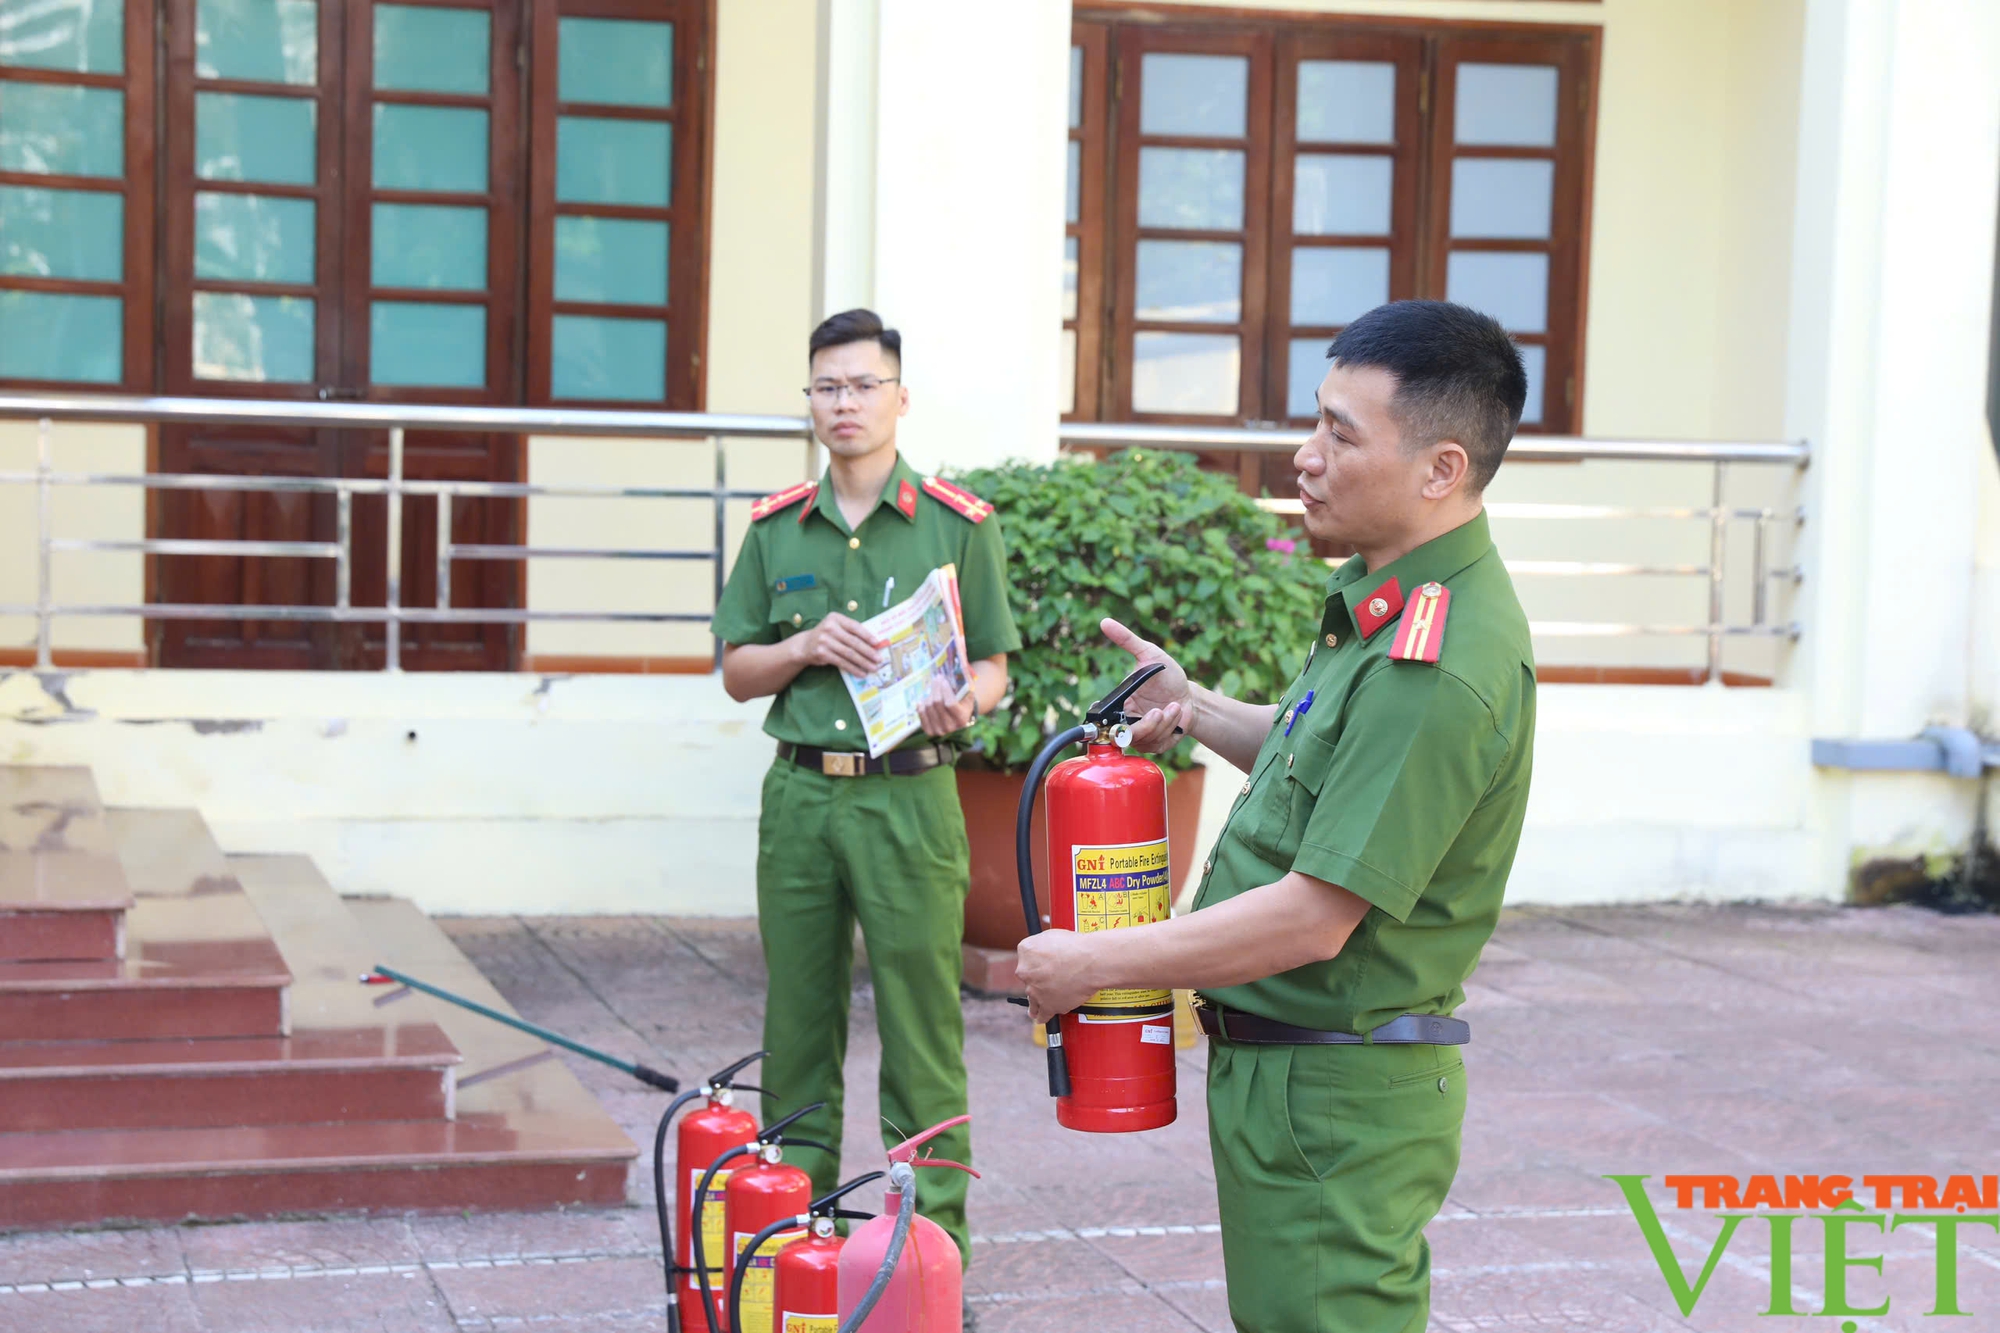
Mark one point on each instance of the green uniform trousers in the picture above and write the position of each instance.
(1329, 1162)
(889, 852)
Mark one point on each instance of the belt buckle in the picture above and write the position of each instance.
(835, 764)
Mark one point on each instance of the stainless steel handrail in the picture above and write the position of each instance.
(712, 429)
(1716, 454)
(397, 419)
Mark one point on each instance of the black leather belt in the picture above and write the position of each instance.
(843, 764)
(1410, 1030)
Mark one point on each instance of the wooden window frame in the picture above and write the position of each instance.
(1092, 362)
(686, 213)
(1420, 241)
(135, 286)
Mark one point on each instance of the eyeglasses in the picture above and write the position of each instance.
(828, 393)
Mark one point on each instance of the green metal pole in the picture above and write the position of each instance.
(644, 1073)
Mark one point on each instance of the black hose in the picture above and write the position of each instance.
(743, 1264)
(660, 1202)
(1024, 865)
(695, 1206)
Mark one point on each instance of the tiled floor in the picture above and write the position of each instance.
(1632, 1041)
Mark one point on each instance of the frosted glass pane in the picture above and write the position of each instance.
(270, 41)
(265, 139)
(1076, 87)
(1190, 280)
(1066, 390)
(58, 131)
(437, 345)
(1535, 360)
(613, 260)
(251, 238)
(620, 62)
(1514, 289)
(1186, 373)
(596, 357)
(430, 148)
(1305, 367)
(45, 336)
(1197, 188)
(1073, 208)
(426, 49)
(1069, 276)
(62, 234)
(614, 161)
(1347, 101)
(1499, 199)
(85, 36)
(1194, 95)
(253, 337)
(420, 245)
(1333, 287)
(1342, 195)
(1507, 104)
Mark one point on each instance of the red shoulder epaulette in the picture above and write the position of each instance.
(791, 495)
(1420, 633)
(960, 501)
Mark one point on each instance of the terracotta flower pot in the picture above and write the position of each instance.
(993, 918)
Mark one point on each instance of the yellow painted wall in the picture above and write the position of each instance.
(80, 577)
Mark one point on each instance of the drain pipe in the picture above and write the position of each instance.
(1957, 752)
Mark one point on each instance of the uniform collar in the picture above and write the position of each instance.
(827, 505)
(1373, 599)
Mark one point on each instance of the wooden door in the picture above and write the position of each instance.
(344, 203)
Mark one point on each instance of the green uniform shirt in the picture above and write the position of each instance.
(803, 561)
(1404, 782)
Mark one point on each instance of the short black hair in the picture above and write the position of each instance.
(854, 326)
(1458, 376)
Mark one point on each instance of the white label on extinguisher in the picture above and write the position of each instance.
(1157, 1034)
(709, 1210)
(1118, 885)
(757, 1278)
(810, 1323)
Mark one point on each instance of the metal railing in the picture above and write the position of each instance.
(713, 428)
(1717, 515)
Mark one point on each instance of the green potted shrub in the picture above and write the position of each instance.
(1177, 553)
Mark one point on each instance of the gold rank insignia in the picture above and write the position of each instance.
(962, 502)
(1420, 635)
(791, 495)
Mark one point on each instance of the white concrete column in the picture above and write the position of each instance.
(941, 185)
(1892, 282)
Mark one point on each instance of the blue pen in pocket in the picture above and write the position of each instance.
(1300, 711)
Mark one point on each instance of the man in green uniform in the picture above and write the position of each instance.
(843, 837)
(1365, 858)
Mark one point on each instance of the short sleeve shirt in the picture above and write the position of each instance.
(803, 561)
(1403, 781)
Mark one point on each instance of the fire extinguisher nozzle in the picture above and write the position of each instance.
(1058, 1071)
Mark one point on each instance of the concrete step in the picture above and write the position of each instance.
(63, 893)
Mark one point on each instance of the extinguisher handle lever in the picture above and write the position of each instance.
(777, 1127)
(1111, 708)
(939, 1161)
(723, 1078)
(906, 1151)
(823, 1205)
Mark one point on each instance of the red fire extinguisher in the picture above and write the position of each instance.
(901, 1272)
(1111, 1062)
(708, 1131)
(754, 1196)
(805, 1276)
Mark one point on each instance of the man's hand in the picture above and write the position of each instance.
(942, 715)
(1166, 700)
(1052, 966)
(840, 642)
